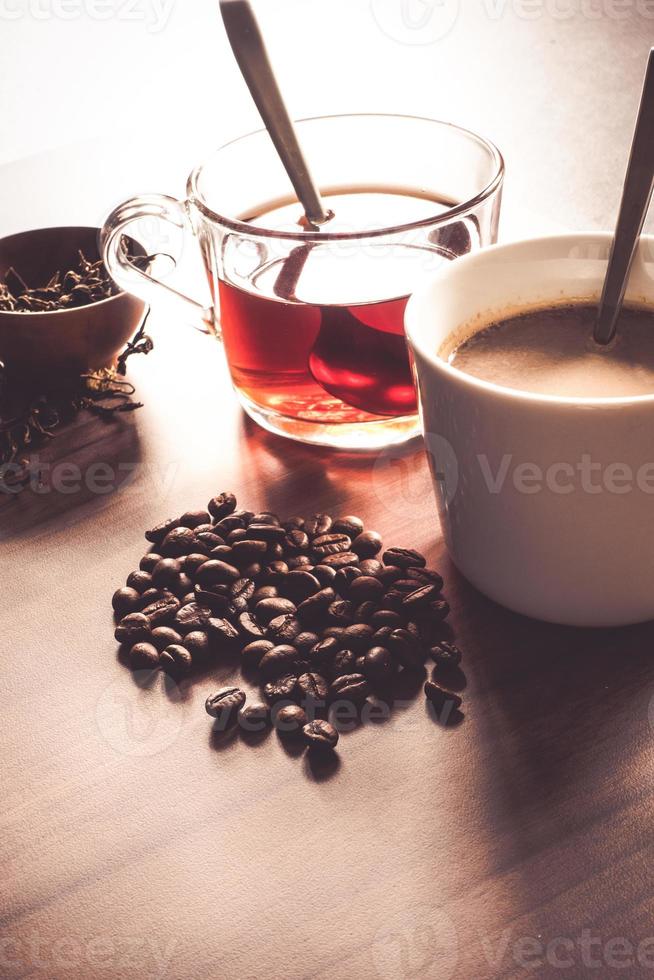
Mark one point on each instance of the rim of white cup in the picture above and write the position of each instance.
(418, 332)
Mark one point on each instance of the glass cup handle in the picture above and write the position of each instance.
(128, 274)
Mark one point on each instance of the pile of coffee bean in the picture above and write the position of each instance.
(314, 608)
(87, 283)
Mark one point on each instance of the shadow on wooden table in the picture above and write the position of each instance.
(74, 474)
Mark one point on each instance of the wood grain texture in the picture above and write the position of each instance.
(517, 843)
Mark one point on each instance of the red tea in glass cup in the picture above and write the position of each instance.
(313, 321)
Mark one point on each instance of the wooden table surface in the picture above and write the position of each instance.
(518, 842)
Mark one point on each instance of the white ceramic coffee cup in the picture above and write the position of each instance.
(546, 503)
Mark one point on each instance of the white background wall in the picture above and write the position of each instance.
(139, 90)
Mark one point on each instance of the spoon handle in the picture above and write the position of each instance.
(636, 197)
(250, 53)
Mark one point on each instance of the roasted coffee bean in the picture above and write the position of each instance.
(372, 567)
(248, 551)
(252, 653)
(133, 628)
(222, 552)
(379, 665)
(317, 525)
(282, 688)
(270, 533)
(295, 523)
(324, 574)
(365, 612)
(176, 659)
(249, 628)
(263, 592)
(345, 577)
(352, 526)
(144, 656)
(393, 600)
(140, 581)
(197, 643)
(283, 629)
(148, 562)
(349, 687)
(189, 597)
(166, 572)
(366, 589)
(242, 588)
(192, 617)
(158, 533)
(300, 563)
(343, 663)
(164, 636)
(275, 553)
(237, 535)
(315, 607)
(216, 573)
(389, 575)
(208, 540)
(358, 637)
(304, 642)
(404, 558)
(329, 544)
(191, 563)
(265, 517)
(295, 542)
(341, 612)
(322, 654)
(254, 718)
(216, 599)
(280, 660)
(419, 599)
(222, 505)
(367, 544)
(405, 586)
(194, 518)
(154, 595)
(337, 632)
(299, 585)
(360, 664)
(125, 601)
(204, 529)
(253, 570)
(426, 575)
(385, 617)
(247, 516)
(290, 719)
(183, 585)
(227, 524)
(222, 632)
(442, 699)
(320, 735)
(406, 648)
(225, 705)
(439, 610)
(381, 636)
(446, 654)
(269, 609)
(162, 612)
(312, 687)
(179, 541)
(340, 560)
(274, 573)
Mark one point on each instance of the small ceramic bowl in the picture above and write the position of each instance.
(69, 341)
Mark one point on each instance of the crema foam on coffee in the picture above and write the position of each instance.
(551, 352)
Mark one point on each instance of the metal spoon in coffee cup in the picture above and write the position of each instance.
(252, 58)
(636, 197)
